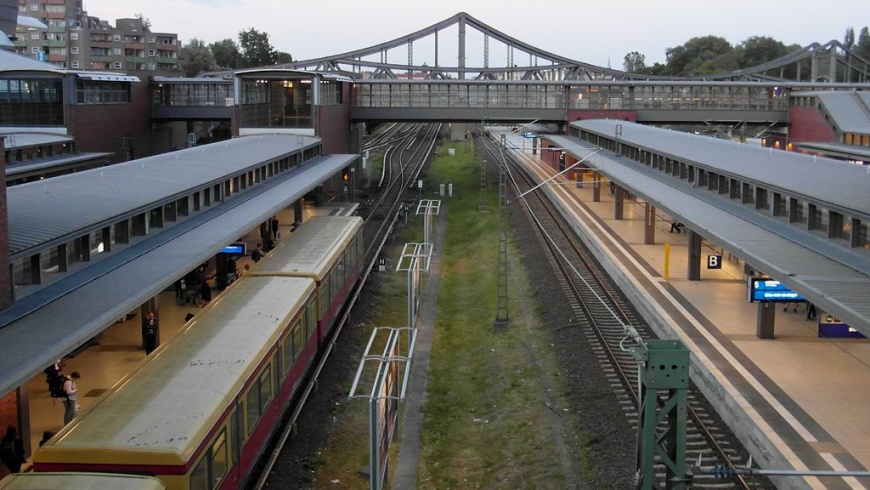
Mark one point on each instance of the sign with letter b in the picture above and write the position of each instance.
(714, 261)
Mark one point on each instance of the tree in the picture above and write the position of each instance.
(282, 57)
(256, 48)
(700, 56)
(849, 38)
(759, 49)
(226, 54)
(862, 48)
(634, 62)
(196, 57)
(146, 22)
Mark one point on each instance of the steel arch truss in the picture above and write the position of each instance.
(831, 62)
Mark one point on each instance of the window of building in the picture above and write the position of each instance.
(116, 51)
(151, 39)
(116, 37)
(74, 50)
(34, 35)
(34, 49)
(92, 92)
(74, 64)
(74, 36)
(31, 102)
(116, 65)
(55, 9)
(151, 52)
(34, 7)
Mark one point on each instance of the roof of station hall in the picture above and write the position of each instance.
(43, 211)
(840, 184)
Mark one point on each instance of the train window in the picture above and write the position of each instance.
(199, 476)
(212, 468)
(298, 339)
(253, 409)
(236, 433)
(219, 459)
(287, 352)
(265, 388)
(311, 319)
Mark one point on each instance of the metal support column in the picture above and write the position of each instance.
(694, 257)
(618, 203)
(649, 224)
(765, 320)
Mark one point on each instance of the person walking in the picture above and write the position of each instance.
(71, 404)
(12, 450)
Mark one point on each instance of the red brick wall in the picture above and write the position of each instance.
(103, 127)
(5, 280)
(9, 412)
(808, 124)
(333, 124)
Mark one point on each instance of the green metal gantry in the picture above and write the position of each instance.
(664, 367)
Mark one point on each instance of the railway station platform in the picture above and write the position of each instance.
(118, 350)
(798, 395)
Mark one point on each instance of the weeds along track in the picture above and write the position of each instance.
(603, 311)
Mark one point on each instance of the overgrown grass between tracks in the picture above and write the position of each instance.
(492, 391)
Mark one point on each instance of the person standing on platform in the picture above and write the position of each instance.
(205, 292)
(12, 450)
(811, 311)
(149, 332)
(274, 224)
(71, 404)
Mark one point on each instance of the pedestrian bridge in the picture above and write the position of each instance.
(523, 101)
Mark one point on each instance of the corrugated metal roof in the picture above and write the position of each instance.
(51, 162)
(40, 212)
(840, 184)
(16, 140)
(53, 321)
(107, 77)
(10, 62)
(846, 110)
(784, 252)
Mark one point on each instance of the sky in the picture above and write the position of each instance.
(599, 33)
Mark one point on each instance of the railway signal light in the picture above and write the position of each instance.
(345, 175)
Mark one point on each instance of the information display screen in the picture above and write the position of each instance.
(234, 249)
(762, 289)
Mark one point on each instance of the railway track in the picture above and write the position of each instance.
(603, 313)
(406, 151)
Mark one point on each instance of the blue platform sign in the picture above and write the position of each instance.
(763, 289)
(239, 248)
(831, 327)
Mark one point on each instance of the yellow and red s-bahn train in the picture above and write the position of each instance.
(79, 481)
(198, 413)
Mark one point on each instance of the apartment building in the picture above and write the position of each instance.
(78, 41)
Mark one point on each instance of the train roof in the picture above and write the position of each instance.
(163, 411)
(311, 250)
(79, 481)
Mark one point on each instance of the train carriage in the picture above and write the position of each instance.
(199, 411)
(79, 481)
(329, 250)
